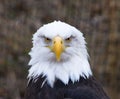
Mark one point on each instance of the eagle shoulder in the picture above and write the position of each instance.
(83, 89)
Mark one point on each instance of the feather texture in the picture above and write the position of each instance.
(74, 61)
(83, 89)
(71, 77)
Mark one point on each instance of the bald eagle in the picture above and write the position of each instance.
(59, 65)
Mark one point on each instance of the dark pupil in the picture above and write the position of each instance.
(47, 39)
(68, 39)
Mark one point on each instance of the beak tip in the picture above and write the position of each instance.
(58, 59)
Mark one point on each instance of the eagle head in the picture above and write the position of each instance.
(59, 52)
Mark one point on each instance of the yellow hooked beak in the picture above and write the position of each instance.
(58, 47)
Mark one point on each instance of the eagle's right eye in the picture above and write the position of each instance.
(47, 40)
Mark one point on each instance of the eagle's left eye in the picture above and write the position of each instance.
(68, 39)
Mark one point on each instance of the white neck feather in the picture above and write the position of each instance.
(72, 70)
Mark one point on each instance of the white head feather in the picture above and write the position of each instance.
(74, 60)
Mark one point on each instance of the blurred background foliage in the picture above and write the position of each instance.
(99, 20)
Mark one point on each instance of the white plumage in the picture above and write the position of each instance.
(74, 60)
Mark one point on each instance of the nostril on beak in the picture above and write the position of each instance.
(54, 42)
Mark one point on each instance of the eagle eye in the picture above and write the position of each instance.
(47, 40)
(68, 39)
